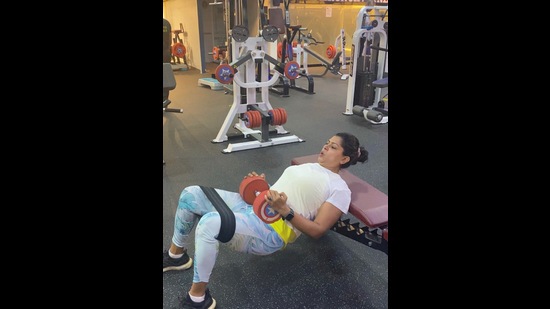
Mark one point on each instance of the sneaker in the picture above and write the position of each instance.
(207, 303)
(169, 263)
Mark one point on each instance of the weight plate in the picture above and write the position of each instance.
(239, 33)
(270, 33)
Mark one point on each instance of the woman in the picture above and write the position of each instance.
(310, 198)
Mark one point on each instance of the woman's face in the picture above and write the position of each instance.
(332, 154)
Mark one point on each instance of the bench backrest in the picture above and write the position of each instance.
(168, 78)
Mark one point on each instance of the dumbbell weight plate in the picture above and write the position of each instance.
(270, 33)
(216, 53)
(284, 115)
(224, 73)
(178, 50)
(239, 33)
(250, 186)
(292, 69)
(263, 210)
(331, 51)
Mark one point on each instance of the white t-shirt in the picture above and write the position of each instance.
(308, 186)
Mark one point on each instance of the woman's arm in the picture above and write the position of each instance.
(325, 219)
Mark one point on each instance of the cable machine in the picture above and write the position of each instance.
(367, 77)
(249, 72)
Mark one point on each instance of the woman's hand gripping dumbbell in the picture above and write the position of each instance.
(266, 203)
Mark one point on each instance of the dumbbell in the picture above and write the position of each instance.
(253, 190)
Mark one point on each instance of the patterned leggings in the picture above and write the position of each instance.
(252, 235)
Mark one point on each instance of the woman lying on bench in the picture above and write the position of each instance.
(310, 198)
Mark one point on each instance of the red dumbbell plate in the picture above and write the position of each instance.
(250, 186)
(263, 210)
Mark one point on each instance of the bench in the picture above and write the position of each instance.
(168, 84)
(368, 204)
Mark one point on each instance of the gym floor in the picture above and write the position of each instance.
(332, 272)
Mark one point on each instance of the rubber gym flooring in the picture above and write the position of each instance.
(331, 272)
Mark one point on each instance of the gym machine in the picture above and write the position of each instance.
(301, 50)
(366, 75)
(166, 41)
(249, 71)
(276, 18)
(220, 53)
(179, 51)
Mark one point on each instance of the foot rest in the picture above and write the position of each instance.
(213, 83)
(381, 83)
(368, 204)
